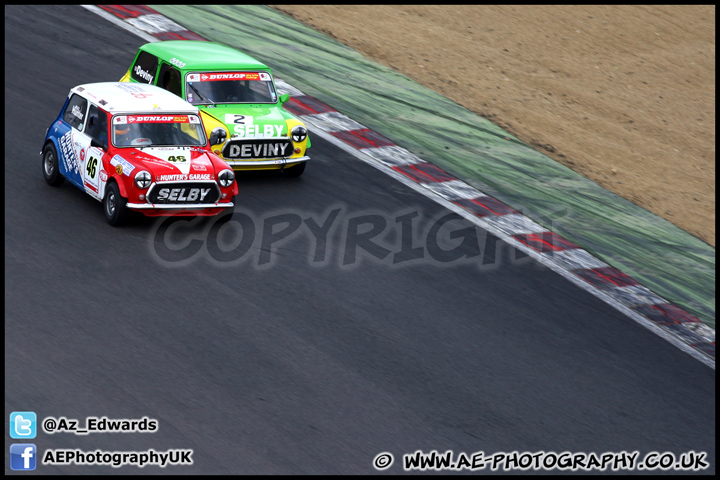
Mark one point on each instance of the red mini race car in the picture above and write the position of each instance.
(137, 147)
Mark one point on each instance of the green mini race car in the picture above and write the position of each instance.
(240, 107)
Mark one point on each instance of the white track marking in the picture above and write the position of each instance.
(120, 23)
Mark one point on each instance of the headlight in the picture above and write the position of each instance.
(299, 133)
(218, 136)
(226, 178)
(143, 179)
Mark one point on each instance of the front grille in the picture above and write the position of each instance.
(173, 193)
(251, 149)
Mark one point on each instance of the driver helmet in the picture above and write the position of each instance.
(122, 134)
(122, 129)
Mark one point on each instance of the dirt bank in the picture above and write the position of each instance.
(624, 95)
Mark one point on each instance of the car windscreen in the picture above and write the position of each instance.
(158, 130)
(209, 88)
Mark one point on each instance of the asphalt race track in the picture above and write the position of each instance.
(274, 362)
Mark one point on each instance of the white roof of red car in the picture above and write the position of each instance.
(122, 97)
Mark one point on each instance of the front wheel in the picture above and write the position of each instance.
(226, 215)
(50, 167)
(296, 170)
(114, 205)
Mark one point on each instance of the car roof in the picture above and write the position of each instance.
(201, 55)
(121, 97)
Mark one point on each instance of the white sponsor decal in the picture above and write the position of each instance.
(177, 62)
(68, 153)
(169, 178)
(179, 157)
(183, 194)
(254, 151)
(258, 131)
(264, 77)
(127, 167)
(244, 126)
(178, 176)
(143, 74)
(130, 87)
(77, 112)
(193, 77)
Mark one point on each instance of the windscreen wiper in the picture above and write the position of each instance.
(200, 94)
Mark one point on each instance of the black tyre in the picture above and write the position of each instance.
(114, 205)
(296, 170)
(226, 215)
(51, 167)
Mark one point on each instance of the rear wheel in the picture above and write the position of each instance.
(295, 171)
(114, 205)
(51, 169)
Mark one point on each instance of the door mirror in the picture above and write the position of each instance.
(95, 143)
(284, 97)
